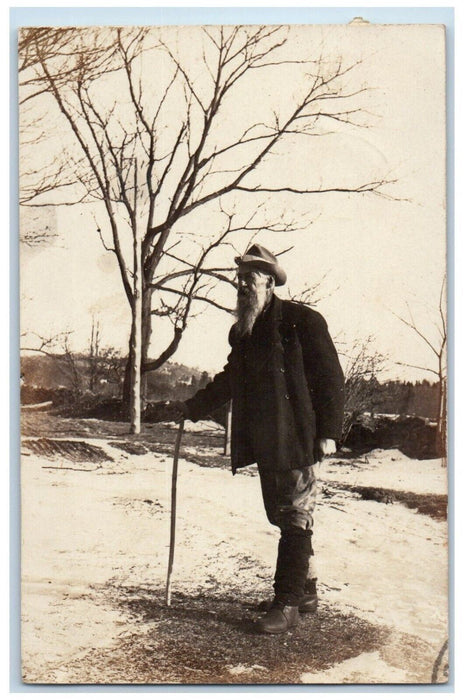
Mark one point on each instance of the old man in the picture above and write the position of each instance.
(286, 384)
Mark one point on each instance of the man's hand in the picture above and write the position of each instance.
(165, 412)
(323, 448)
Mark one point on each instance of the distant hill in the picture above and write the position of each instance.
(172, 380)
(104, 377)
(49, 372)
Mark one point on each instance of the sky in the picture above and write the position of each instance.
(378, 256)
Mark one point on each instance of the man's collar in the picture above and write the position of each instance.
(275, 308)
(272, 312)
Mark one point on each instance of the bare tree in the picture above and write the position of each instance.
(34, 342)
(363, 365)
(94, 354)
(148, 141)
(100, 364)
(58, 347)
(104, 363)
(313, 292)
(436, 341)
(71, 364)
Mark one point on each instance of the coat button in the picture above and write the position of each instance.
(282, 370)
(287, 396)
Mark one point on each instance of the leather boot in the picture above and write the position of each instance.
(308, 604)
(292, 565)
(280, 618)
(289, 581)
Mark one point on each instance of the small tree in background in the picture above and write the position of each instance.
(93, 370)
(363, 365)
(436, 340)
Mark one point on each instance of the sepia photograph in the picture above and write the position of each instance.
(233, 354)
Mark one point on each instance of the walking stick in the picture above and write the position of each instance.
(172, 540)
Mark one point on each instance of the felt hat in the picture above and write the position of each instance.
(260, 258)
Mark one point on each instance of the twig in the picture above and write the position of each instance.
(73, 469)
(336, 508)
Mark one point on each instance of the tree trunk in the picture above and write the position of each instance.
(126, 387)
(441, 418)
(135, 365)
(135, 403)
(146, 336)
(228, 433)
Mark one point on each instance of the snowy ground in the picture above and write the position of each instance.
(389, 469)
(94, 559)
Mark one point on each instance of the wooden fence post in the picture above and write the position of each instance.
(227, 436)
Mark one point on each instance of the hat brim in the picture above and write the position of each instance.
(253, 262)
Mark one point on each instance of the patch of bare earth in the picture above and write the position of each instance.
(209, 639)
(74, 450)
(434, 505)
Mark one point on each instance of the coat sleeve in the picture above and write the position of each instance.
(324, 375)
(215, 394)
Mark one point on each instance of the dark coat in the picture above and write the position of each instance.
(286, 386)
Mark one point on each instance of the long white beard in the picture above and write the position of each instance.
(249, 307)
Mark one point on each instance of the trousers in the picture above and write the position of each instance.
(289, 497)
(289, 500)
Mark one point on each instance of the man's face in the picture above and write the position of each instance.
(253, 293)
(252, 286)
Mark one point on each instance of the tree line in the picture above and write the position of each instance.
(104, 378)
